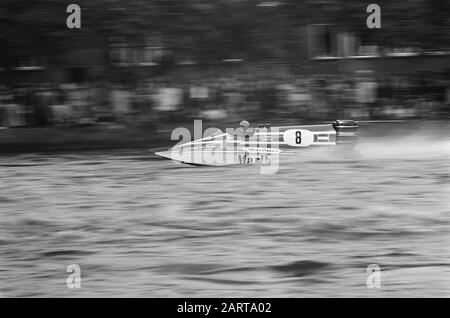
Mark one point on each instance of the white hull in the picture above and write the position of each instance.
(264, 147)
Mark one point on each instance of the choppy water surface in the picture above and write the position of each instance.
(143, 227)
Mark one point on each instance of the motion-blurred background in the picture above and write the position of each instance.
(143, 62)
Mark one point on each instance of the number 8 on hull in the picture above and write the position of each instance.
(247, 145)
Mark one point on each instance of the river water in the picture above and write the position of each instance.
(137, 226)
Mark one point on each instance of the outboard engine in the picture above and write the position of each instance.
(345, 130)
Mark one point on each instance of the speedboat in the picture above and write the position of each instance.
(248, 145)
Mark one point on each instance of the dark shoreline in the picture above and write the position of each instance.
(89, 137)
(101, 137)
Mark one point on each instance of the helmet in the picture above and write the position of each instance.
(245, 124)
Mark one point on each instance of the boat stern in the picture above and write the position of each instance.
(346, 130)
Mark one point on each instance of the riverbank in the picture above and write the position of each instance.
(29, 139)
(94, 137)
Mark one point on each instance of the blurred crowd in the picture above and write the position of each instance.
(363, 95)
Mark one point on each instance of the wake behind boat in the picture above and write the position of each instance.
(248, 145)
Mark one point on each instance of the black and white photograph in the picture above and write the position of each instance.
(224, 150)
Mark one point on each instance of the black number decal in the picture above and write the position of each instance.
(298, 137)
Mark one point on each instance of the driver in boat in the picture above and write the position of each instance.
(244, 130)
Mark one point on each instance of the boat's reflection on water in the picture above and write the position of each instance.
(140, 227)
